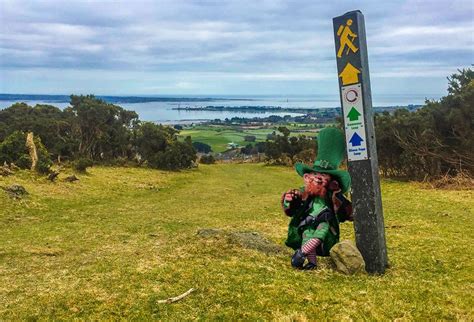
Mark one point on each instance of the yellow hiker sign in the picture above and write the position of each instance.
(344, 32)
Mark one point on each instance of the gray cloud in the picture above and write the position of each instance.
(187, 43)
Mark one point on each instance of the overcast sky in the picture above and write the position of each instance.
(225, 47)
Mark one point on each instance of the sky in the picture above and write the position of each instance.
(226, 47)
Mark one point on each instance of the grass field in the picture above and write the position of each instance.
(219, 137)
(112, 244)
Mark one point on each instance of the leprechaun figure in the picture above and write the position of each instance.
(317, 208)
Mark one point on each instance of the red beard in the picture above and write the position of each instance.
(316, 190)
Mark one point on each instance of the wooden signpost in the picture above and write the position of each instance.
(356, 102)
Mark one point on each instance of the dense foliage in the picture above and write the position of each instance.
(202, 147)
(432, 141)
(286, 149)
(14, 150)
(207, 159)
(89, 129)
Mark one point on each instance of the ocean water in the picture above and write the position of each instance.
(160, 109)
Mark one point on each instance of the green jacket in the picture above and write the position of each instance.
(307, 215)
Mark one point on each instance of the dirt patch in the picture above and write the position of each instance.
(245, 239)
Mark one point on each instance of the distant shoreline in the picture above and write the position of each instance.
(117, 99)
(279, 109)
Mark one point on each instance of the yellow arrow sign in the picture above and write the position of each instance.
(349, 75)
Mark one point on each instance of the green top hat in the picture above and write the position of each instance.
(331, 151)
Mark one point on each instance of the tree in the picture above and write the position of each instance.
(151, 138)
(284, 149)
(202, 147)
(158, 145)
(103, 129)
(49, 122)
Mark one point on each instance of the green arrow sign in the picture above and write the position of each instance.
(353, 114)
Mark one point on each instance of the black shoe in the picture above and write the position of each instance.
(310, 266)
(298, 259)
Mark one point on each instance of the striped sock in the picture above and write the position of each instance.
(309, 249)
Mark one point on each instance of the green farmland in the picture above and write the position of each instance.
(219, 137)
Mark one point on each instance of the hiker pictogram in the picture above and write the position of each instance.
(344, 32)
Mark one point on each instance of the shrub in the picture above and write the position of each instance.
(82, 164)
(250, 138)
(177, 155)
(434, 140)
(306, 156)
(207, 159)
(23, 162)
(44, 161)
(13, 150)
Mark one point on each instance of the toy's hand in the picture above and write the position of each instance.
(334, 186)
(292, 195)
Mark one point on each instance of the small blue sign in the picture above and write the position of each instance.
(356, 140)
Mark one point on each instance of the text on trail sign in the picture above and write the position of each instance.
(353, 109)
(344, 32)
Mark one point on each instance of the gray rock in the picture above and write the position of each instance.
(16, 191)
(347, 258)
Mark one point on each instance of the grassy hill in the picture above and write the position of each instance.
(112, 244)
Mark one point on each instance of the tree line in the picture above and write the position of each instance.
(429, 142)
(436, 140)
(90, 129)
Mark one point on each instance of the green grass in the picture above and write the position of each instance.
(112, 244)
(219, 137)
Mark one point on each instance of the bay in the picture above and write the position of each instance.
(163, 110)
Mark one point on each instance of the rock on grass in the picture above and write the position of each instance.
(347, 258)
(16, 191)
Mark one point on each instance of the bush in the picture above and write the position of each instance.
(306, 156)
(250, 138)
(82, 164)
(202, 147)
(44, 161)
(178, 155)
(434, 140)
(207, 159)
(23, 162)
(158, 145)
(248, 150)
(283, 147)
(13, 150)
